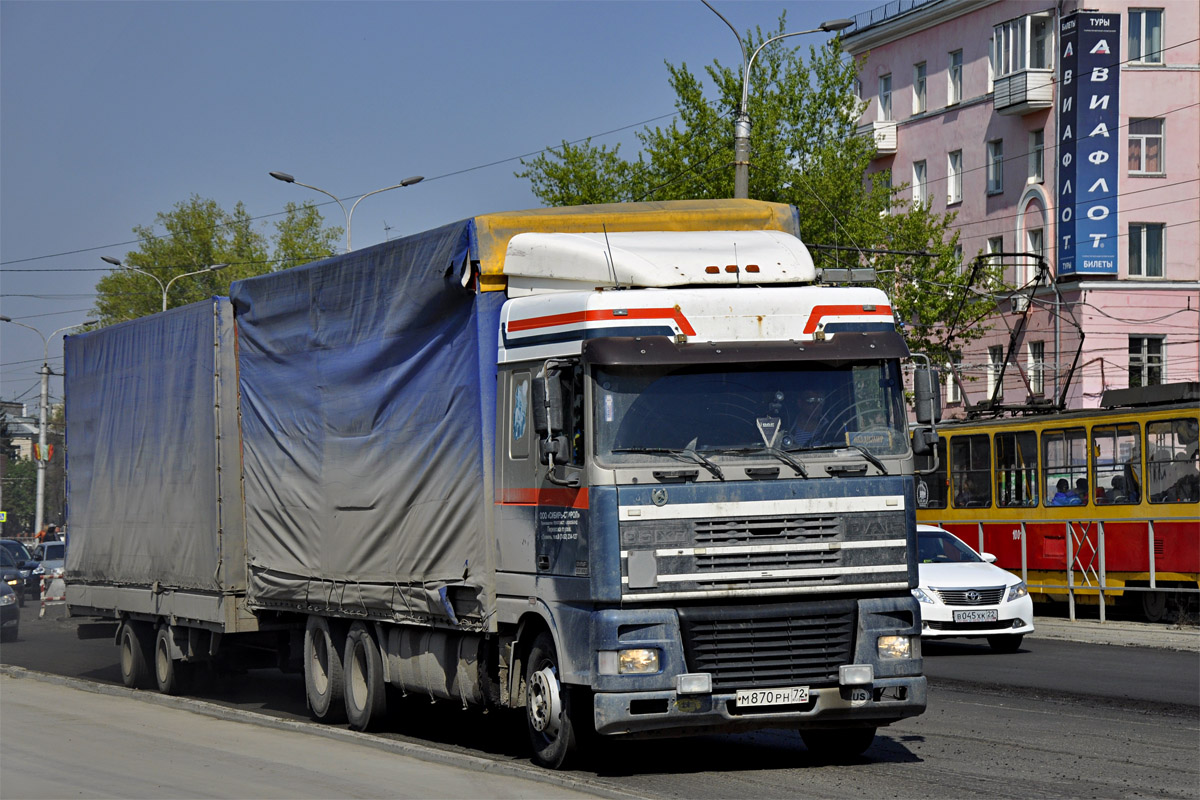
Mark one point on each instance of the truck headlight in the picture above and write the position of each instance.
(1017, 591)
(895, 646)
(635, 661)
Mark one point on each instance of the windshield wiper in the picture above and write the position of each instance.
(773, 451)
(867, 454)
(691, 454)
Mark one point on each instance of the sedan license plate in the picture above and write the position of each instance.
(977, 615)
(783, 696)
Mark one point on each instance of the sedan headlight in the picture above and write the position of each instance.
(924, 598)
(1017, 591)
(8, 599)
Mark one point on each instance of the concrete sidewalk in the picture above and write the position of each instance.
(1119, 633)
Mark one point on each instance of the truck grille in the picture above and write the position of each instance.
(710, 532)
(776, 645)
(721, 563)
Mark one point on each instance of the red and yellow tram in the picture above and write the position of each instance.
(1094, 506)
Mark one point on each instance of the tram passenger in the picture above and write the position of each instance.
(1064, 495)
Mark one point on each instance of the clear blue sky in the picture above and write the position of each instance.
(111, 112)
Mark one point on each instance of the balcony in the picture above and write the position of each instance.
(884, 134)
(1024, 92)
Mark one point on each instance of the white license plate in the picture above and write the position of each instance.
(977, 615)
(783, 696)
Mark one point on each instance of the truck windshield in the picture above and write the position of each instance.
(736, 409)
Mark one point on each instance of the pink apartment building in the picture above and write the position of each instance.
(1070, 133)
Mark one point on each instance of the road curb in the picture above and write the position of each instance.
(410, 749)
(1119, 634)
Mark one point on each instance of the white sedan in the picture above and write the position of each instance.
(963, 594)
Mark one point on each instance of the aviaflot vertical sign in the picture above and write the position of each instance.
(1089, 46)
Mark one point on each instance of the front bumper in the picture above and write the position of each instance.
(1015, 618)
(885, 701)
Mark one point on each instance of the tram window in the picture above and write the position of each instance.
(1173, 461)
(932, 488)
(1064, 458)
(1116, 464)
(970, 471)
(1016, 469)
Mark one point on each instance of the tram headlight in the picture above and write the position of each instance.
(1017, 591)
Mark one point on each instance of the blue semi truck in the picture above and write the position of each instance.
(640, 470)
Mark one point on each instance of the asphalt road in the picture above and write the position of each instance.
(1058, 719)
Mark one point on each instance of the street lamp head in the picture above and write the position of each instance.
(5, 319)
(86, 322)
(412, 180)
(829, 26)
(116, 262)
(282, 176)
(216, 267)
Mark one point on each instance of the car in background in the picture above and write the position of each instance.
(963, 594)
(51, 558)
(25, 564)
(10, 575)
(10, 613)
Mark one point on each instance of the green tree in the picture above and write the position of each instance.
(198, 233)
(804, 151)
(20, 496)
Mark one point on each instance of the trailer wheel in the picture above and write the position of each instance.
(323, 680)
(548, 711)
(838, 744)
(171, 675)
(136, 644)
(366, 696)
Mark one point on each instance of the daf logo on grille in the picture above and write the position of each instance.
(973, 596)
(659, 496)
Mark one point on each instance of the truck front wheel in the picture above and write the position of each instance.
(323, 678)
(548, 711)
(136, 644)
(366, 696)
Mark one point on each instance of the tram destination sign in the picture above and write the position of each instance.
(1088, 143)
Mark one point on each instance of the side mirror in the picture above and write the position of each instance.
(547, 402)
(923, 441)
(927, 396)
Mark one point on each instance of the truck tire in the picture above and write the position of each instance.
(548, 709)
(137, 644)
(170, 675)
(365, 692)
(323, 679)
(838, 744)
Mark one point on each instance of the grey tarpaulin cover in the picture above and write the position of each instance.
(367, 416)
(146, 401)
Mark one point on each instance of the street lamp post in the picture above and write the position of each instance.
(167, 286)
(39, 514)
(741, 126)
(286, 178)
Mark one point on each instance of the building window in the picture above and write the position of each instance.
(1146, 146)
(956, 77)
(954, 178)
(1035, 243)
(885, 97)
(919, 88)
(1145, 35)
(995, 362)
(953, 395)
(1037, 151)
(1145, 361)
(920, 184)
(959, 266)
(1037, 368)
(995, 166)
(1022, 43)
(1146, 249)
